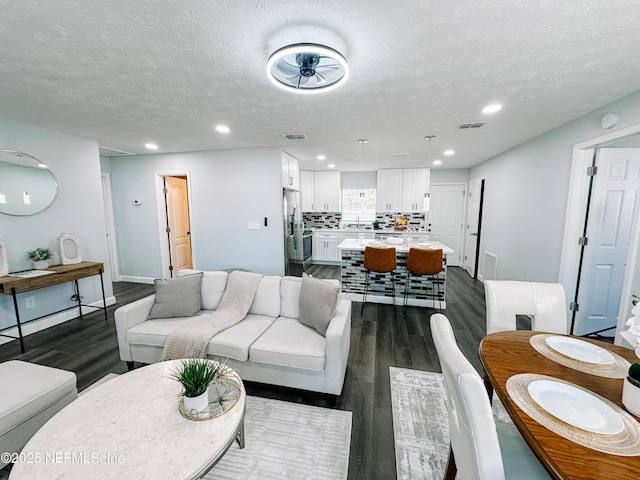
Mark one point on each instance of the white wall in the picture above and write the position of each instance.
(460, 175)
(526, 192)
(229, 188)
(77, 209)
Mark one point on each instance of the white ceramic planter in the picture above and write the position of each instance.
(631, 397)
(41, 264)
(197, 404)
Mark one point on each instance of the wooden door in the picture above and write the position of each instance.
(613, 207)
(446, 218)
(179, 223)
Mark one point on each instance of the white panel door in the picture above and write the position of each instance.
(179, 223)
(446, 218)
(613, 203)
(473, 221)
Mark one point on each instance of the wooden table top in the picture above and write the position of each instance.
(63, 273)
(505, 354)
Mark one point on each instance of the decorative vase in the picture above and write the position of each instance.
(41, 264)
(199, 403)
(631, 397)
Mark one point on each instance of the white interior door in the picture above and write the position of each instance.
(179, 223)
(473, 222)
(613, 204)
(446, 219)
(110, 227)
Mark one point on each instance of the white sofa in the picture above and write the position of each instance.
(269, 346)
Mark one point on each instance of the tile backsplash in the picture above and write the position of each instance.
(331, 220)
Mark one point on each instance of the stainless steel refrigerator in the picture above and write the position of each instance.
(297, 241)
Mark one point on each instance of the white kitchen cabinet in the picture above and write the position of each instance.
(326, 191)
(290, 174)
(306, 190)
(360, 234)
(325, 247)
(415, 187)
(389, 190)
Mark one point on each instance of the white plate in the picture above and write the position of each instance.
(375, 244)
(576, 407)
(580, 350)
(424, 245)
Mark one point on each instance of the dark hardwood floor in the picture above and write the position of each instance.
(379, 340)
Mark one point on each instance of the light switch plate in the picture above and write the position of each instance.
(253, 225)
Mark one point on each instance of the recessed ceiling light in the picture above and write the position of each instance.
(222, 129)
(448, 152)
(437, 162)
(151, 146)
(493, 108)
(363, 140)
(307, 68)
(331, 165)
(321, 157)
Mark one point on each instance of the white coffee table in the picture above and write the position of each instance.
(130, 427)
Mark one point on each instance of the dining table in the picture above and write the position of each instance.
(514, 360)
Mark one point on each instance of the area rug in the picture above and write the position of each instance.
(421, 423)
(285, 440)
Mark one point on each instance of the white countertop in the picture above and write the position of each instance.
(360, 243)
(370, 230)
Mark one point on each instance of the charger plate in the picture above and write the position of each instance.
(626, 443)
(616, 369)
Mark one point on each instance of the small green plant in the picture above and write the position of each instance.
(376, 224)
(634, 374)
(196, 374)
(39, 254)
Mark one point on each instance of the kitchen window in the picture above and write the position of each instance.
(358, 196)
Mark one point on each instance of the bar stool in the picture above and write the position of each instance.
(379, 260)
(422, 261)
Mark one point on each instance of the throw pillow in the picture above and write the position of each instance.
(177, 297)
(318, 301)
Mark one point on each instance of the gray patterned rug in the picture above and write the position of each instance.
(285, 440)
(420, 423)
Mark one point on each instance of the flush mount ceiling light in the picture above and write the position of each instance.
(493, 108)
(222, 129)
(307, 68)
(151, 146)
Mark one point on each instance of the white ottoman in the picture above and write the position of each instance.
(31, 395)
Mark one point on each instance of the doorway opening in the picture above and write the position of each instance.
(581, 271)
(174, 220)
(474, 227)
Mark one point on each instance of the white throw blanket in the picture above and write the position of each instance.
(193, 339)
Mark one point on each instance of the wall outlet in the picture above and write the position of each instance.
(253, 225)
(31, 301)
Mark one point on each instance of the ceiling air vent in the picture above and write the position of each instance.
(112, 152)
(294, 136)
(464, 126)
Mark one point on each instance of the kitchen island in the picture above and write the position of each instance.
(423, 291)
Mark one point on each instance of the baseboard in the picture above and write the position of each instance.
(127, 278)
(53, 320)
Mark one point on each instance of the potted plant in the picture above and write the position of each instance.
(631, 390)
(195, 375)
(40, 258)
(376, 224)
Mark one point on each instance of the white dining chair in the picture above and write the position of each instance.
(545, 303)
(480, 448)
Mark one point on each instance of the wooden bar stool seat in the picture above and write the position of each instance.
(423, 262)
(379, 260)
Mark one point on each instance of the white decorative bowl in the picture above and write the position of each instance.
(395, 240)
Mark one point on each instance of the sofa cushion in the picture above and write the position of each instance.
(318, 300)
(290, 297)
(213, 286)
(233, 342)
(267, 298)
(177, 297)
(32, 389)
(289, 343)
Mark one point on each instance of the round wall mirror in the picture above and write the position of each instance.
(27, 186)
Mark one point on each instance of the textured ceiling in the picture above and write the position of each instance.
(128, 72)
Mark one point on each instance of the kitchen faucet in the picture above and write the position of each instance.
(358, 222)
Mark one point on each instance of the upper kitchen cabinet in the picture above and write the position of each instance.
(415, 188)
(389, 190)
(306, 190)
(290, 174)
(326, 192)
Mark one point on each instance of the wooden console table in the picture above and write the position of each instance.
(63, 274)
